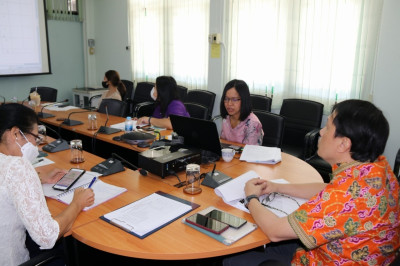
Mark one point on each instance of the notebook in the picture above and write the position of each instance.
(102, 191)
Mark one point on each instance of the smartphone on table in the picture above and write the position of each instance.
(69, 179)
(207, 223)
(227, 218)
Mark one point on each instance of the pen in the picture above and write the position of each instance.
(38, 161)
(92, 182)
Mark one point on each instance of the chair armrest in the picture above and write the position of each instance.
(310, 143)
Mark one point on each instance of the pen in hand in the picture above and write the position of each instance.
(92, 182)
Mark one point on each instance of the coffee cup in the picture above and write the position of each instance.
(227, 154)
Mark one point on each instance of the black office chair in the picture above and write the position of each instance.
(128, 98)
(397, 166)
(182, 91)
(197, 110)
(261, 102)
(273, 127)
(144, 109)
(141, 94)
(114, 107)
(301, 117)
(47, 94)
(203, 97)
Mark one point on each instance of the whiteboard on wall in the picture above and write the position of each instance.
(23, 38)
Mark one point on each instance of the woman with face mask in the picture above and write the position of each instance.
(22, 203)
(112, 82)
(166, 95)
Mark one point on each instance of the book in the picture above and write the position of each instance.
(147, 215)
(102, 191)
(233, 194)
(261, 154)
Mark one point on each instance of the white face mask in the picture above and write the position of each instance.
(152, 94)
(29, 151)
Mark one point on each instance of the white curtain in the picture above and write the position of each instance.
(169, 37)
(322, 50)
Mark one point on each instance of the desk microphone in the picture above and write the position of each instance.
(23, 101)
(69, 122)
(141, 170)
(57, 145)
(47, 115)
(107, 130)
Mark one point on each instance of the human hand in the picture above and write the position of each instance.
(257, 186)
(83, 197)
(53, 176)
(142, 120)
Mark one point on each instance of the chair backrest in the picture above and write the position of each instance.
(197, 110)
(144, 109)
(397, 165)
(114, 107)
(47, 94)
(273, 127)
(129, 89)
(203, 97)
(142, 92)
(261, 102)
(182, 91)
(301, 116)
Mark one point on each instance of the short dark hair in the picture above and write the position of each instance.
(16, 115)
(244, 93)
(365, 125)
(113, 77)
(167, 91)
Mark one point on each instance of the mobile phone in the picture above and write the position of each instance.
(69, 179)
(207, 223)
(227, 218)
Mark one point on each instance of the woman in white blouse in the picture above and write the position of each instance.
(22, 203)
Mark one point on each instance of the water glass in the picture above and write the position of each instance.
(192, 179)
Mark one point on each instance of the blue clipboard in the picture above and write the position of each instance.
(129, 230)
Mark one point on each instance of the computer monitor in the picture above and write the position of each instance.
(197, 133)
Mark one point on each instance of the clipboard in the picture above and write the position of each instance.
(126, 218)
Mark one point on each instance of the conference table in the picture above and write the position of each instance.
(176, 241)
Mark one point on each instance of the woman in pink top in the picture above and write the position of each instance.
(239, 123)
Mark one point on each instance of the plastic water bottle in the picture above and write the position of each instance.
(128, 124)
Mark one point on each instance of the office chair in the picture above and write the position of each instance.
(182, 91)
(114, 107)
(203, 97)
(141, 94)
(144, 109)
(301, 117)
(47, 94)
(397, 166)
(197, 110)
(261, 102)
(273, 126)
(128, 98)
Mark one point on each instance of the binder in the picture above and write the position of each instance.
(228, 237)
(147, 215)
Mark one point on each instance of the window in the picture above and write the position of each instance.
(64, 10)
(170, 38)
(316, 50)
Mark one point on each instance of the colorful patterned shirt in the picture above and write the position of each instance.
(354, 220)
(249, 131)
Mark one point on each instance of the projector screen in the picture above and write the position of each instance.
(23, 38)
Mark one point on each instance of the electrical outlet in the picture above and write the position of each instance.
(214, 38)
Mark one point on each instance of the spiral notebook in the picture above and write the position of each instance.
(102, 191)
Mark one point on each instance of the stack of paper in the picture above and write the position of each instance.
(233, 194)
(261, 154)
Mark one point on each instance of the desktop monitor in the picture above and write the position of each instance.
(197, 133)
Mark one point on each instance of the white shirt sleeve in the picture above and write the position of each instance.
(27, 196)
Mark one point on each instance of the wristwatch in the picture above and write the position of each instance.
(249, 198)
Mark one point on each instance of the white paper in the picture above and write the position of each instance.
(41, 162)
(122, 125)
(261, 154)
(232, 193)
(65, 108)
(147, 214)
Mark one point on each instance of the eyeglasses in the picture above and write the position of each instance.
(270, 197)
(233, 100)
(38, 139)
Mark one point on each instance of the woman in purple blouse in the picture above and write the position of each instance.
(239, 123)
(166, 95)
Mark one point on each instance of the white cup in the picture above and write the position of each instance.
(227, 154)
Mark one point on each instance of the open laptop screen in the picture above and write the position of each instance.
(197, 133)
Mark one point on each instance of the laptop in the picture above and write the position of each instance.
(197, 133)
